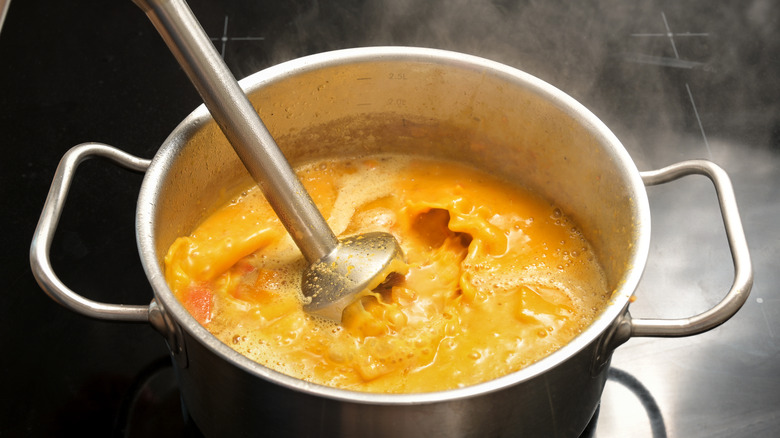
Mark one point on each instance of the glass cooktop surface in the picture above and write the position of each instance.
(674, 80)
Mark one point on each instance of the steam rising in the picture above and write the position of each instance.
(548, 39)
(614, 57)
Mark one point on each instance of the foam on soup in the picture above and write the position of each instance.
(496, 278)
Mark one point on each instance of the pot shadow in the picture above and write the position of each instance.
(152, 406)
(657, 426)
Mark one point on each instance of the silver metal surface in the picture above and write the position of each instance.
(47, 225)
(359, 263)
(602, 189)
(331, 290)
(4, 5)
(743, 276)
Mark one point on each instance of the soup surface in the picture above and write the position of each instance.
(496, 278)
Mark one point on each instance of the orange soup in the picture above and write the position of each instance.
(496, 278)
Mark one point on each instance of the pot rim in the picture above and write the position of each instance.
(145, 232)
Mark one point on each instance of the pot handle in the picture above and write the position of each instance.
(743, 270)
(47, 225)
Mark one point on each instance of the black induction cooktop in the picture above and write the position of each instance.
(673, 79)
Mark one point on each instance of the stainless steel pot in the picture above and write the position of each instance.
(411, 101)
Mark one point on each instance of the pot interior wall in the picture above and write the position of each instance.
(513, 125)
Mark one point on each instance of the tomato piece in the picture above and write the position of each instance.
(198, 299)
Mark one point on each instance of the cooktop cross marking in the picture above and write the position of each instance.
(671, 35)
(224, 38)
(698, 120)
